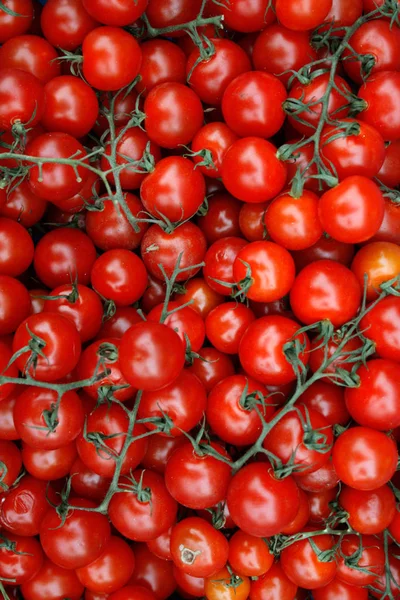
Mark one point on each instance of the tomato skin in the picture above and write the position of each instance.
(389, 171)
(12, 313)
(304, 15)
(165, 13)
(251, 170)
(216, 587)
(381, 583)
(364, 458)
(7, 425)
(162, 61)
(302, 566)
(24, 206)
(216, 137)
(278, 49)
(353, 211)
(24, 506)
(254, 486)
(176, 401)
(293, 222)
(213, 369)
(273, 585)
(153, 573)
(219, 259)
(165, 190)
(327, 399)
(49, 465)
(11, 26)
(65, 23)
(151, 355)
(111, 570)
(16, 248)
(252, 104)
(202, 297)
(332, 293)
(21, 98)
(52, 582)
(372, 558)
(32, 54)
(194, 586)
(228, 419)
(270, 267)
(86, 483)
(360, 154)
(174, 114)
(77, 542)
(382, 90)
(117, 14)
(382, 325)
(374, 402)
(24, 563)
(325, 478)
(194, 536)
(159, 450)
(10, 456)
(138, 519)
(226, 325)
(338, 590)
(119, 275)
(380, 261)
(115, 327)
(195, 480)
(370, 512)
(5, 357)
(210, 78)
(249, 555)
(394, 526)
(108, 421)
(186, 322)
(251, 221)
(247, 15)
(261, 350)
(137, 592)
(158, 247)
(111, 58)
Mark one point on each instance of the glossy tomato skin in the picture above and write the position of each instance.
(10, 456)
(382, 90)
(24, 206)
(226, 325)
(52, 582)
(216, 137)
(213, 369)
(86, 483)
(115, 327)
(197, 480)
(327, 399)
(159, 450)
(130, 591)
(49, 465)
(174, 114)
(32, 54)
(252, 104)
(77, 542)
(325, 290)
(389, 171)
(338, 590)
(151, 355)
(142, 518)
(247, 15)
(16, 248)
(7, 425)
(353, 211)
(197, 548)
(251, 221)
(193, 586)
(202, 297)
(162, 61)
(325, 478)
(217, 586)
(21, 97)
(273, 585)
(186, 322)
(165, 13)
(111, 58)
(364, 458)
(11, 25)
(261, 349)
(24, 506)
(153, 573)
(251, 170)
(117, 14)
(302, 565)
(372, 558)
(255, 485)
(249, 555)
(381, 583)
(219, 259)
(380, 261)
(382, 325)
(161, 545)
(370, 512)
(302, 16)
(23, 563)
(65, 23)
(12, 313)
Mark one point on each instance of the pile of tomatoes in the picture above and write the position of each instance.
(199, 299)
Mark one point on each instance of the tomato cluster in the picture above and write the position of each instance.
(199, 299)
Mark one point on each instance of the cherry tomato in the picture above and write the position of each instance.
(247, 15)
(381, 324)
(188, 584)
(49, 465)
(7, 425)
(201, 296)
(32, 54)
(338, 590)
(24, 506)
(249, 555)
(162, 62)
(325, 478)
(16, 248)
(10, 463)
(273, 585)
(24, 206)
(23, 562)
(394, 579)
(304, 15)
(362, 552)
(303, 566)
(116, 325)
(131, 592)
(13, 25)
(218, 586)
(86, 483)
(219, 259)
(117, 14)
(389, 171)
(52, 582)
(320, 505)
(211, 367)
(159, 450)
(370, 512)
(327, 399)
(169, 13)
(380, 261)
(120, 276)
(381, 93)
(12, 312)
(251, 221)
(21, 98)
(161, 545)
(152, 573)
(226, 325)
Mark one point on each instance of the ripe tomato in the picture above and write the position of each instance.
(112, 424)
(188, 584)
(11, 463)
(119, 275)
(78, 541)
(24, 206)
(219, 586)
(151, 355)
(249, 555)
(49, 465)
(153, 573)
(268, 266)
(32, 54)
(219, 259)
(117, 14)
(251, 221)
(197, 548)
(159, 450)
(261, 349)
(7, 425)
(13, 25)
(12, 312)
(174, 114)
(381, 94)
(217, 138)
(325, 290)
(303, 566)
(380, 261)
(186, 322)
(251, 170)
(176, 401)
(161, 545)
(144, 509)
(115, 326)
(201, 297)
(111, 58)
(197, 480)
(281, 51)
(128, 592)
(86, 483)
(23, 562)
(382, 325)
(394, 579)
(326, 399)
(111, 570)
(247, 15)
(211, 367)
(303, 515)
(370, 512)
(21, 99)
(52, 582)
(65, 23)
(389, 172)
(324, 478)
(320, 505)
(255, 485)
(211, 77)
(274, 585)
(169, 13)
(362, 552)
(303, 15)
(338, 590)
(162, 62)
(364, 458)
(226, 325)
(228, 415)
(24, 506)
(175, 190)
(16, 249)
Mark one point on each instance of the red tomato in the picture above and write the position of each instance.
(362, 552)
(119, 275)
(247, 15)
(251, 221)
(320, 354)
(151, 355)
(251, 170)
(161, 545)
(116, 325)
(217, 138)
(381, 324)
(394, 580)
(344, 13)
(325, 290)
(390, 169)
(131, 592)
(111, 58)
(21, 99)
(169, 13)
(219, 259)
(252, 104)
(144, 509)
(324, 478)
(16, 248)
(381, 94)
(261, 349)
(302, 15)
(186, 322)
(32, 54)
(49, 465)
(162, 62)
(111, 570)
(255, 485)
(226, 325)
(364, 458)
(193, 586)
(124, 105)
(65, 23)
(338, 590)
(274, 585)
(326, 399)
(176, 401)
(24, 206)
(264, 271)
(201, 296)
(380, 261)
(174, 114)
(12, 312)
(7, 425)
(211, 367)
(86, 483)
(302, 517)
(302, 565)
(174, 191)
(210, 78)
(153, 573)
(13, 25)
(320, 505)
(22, 562)
(197, 480)
(281, 51)
(80, 540)
(118, 14)
(370, 512)
(52, 582)
(112, 422)
(220, 585)
(159, 450)
(197, 548)
(10, 463)
(249, 555)
(24, 506)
